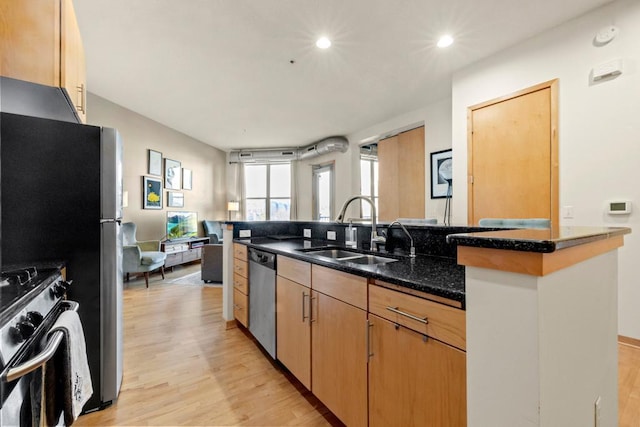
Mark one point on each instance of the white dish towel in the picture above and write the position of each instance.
(73, 366)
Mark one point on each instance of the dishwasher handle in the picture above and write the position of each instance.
(266, 259)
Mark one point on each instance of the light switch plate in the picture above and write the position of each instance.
(331, 235)
(245, 233)
(307, 232)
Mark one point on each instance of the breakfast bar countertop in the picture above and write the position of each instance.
(431, 274)
(536, 240)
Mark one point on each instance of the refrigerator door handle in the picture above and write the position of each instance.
(110, 220)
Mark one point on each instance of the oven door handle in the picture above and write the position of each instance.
(41, 358)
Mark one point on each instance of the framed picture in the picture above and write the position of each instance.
(155, 163)
(186, 179)
(175, 199)
(172, 174)
(441, 174)
(151, 193)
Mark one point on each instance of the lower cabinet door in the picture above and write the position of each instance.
(339, 358)
(414, 380)
(293, 334)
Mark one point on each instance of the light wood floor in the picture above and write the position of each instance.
(182, 367)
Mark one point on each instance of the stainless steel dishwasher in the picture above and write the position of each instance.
(262, 299)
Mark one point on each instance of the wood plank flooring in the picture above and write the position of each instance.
(182, 367)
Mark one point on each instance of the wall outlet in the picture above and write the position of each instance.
(331, 235)
(245, 233)
(306, 232)
(597, 412)
(567, 212)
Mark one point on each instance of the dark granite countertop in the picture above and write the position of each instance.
(434, 275)
(536, 240)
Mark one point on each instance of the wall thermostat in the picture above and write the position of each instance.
(621, 207)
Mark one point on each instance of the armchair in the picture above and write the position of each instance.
(140, 257)
(213, 230)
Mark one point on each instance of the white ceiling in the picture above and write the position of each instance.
(220, 71)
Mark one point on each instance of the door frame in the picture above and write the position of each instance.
(552, 85)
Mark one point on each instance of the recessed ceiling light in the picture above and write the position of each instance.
(445, 41)
(323, 43)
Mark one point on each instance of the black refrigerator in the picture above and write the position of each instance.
(62, 201)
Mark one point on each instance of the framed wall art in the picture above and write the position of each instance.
(155, 163)
(151, 193)
(175, 199)
(172, 174)
(186, 179)
(441, 174)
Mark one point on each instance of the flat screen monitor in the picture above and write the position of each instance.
(182, 225)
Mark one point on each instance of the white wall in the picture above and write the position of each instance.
(599, 128)
(208, 196)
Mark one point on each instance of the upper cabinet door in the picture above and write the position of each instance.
(72, 66)
(40, 43)
(30, 41)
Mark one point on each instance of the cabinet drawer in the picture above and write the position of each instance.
(173, 259)
(442, 322)
(240, 251)
(342, 286)
(191, 255)
(241, 307)
(241, 283)
(295, 270)
(240, 267)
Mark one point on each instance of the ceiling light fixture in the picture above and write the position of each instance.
(445, 41)
(323, 43)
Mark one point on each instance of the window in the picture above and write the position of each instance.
(267, 192)
(368, 184)
(323, 192)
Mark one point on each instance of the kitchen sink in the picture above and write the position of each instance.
(343, 255)
(369, 259)
(334, 253)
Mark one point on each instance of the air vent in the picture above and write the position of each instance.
(327, 145)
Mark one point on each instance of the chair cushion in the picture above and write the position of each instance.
(150, 258)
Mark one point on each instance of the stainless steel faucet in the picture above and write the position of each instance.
(375, 239)
(412, 250)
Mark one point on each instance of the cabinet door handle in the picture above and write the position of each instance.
(410, 316)
(304, 295)
(81, 90)
(368, 326)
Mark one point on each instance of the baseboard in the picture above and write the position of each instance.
(231, 324)
(629, 341)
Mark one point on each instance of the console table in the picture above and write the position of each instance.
(183, 251)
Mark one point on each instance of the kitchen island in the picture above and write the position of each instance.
(541, 317)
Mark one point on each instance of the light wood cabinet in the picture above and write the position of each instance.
(338, 344)
(293, 332)
(414, 380)
(40, 42)
(240, 284)
(401, 169)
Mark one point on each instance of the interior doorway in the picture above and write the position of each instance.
(323, 189)
(513, 156)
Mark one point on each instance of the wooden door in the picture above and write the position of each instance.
(512, 159)
(339, 359)
(414, 380)
(401, 169)
(388, 198)
(293, 334)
